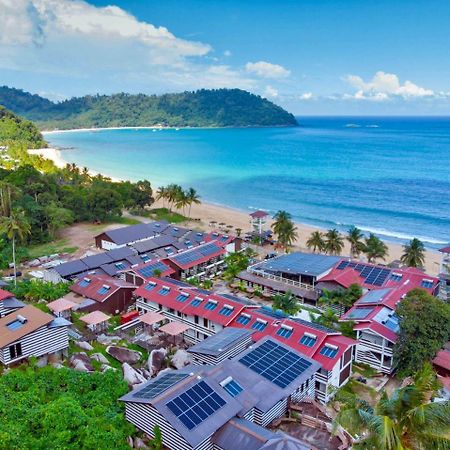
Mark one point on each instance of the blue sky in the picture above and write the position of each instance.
(312, 57)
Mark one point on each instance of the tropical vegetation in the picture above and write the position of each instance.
(176, 196)
(334, 243)
(355, 239)
(404, 420)
(424, 329)
(286, 303)
(413, 253)
(203, 108)
(375, 248)
(237, 262)
(341, 298)
(285, 229)
(316, 242)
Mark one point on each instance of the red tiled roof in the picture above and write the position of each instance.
(5, 294)
(91, 290)
(445, 249)
(344, 277)
(442, 359)
(377, 328)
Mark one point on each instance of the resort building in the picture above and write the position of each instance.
(96, 321)
(191, 405)
(444, 274)
(9, 303)
(31, 332)
(207, 314)
(374, 313)
(102, 293)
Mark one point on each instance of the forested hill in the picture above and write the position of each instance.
(15, 129)
(203, 108)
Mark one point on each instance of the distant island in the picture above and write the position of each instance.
(202, 108)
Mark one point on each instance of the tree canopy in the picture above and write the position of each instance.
(203, 108)
(424, 328)
(52, 408)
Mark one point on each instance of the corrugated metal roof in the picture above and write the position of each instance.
(132, 233)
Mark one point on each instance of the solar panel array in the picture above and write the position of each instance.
(160, 384)
(224, 339)
(359, 313)
(275, 363)
(148, 271)
(196, 254)
(371, 274)
(374, 296)
(196, 404)
(392, 323)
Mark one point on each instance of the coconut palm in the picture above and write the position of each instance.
(375, 248)
(406, 420)
(316, 241)
(286, 303)
(173, 194)
(413, 253)
(181, 200)
(161, 194)
(15, 226)
(192, 197)
(354, 237)
(280, 219)
(333, 242)
(288, 235)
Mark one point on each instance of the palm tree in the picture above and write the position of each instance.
(161, 194)
(316, 242)
(288, 235)
(354, 237)
(181, 200)
(280, 219)
(15, 226)
(286, 303)
(173, 194)
(192, 197)
(333, 242)
(375, 248)
(413, 253)
(406, 420)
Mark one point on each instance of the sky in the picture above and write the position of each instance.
(313, 57)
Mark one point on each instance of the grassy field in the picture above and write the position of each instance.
(165, 214)
(50, 248)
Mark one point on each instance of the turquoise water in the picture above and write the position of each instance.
(386, 175)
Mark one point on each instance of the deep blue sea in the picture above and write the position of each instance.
(390, 176)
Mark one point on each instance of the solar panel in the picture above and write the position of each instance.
(160, 384)
(148, 271)
(375, 296)
(222, 340)
(210, 305)
(371, 274)
(259, 326)
(233, 388)
(284, 332)
(392, 323)
(182, 297)
(244, 320)
(196, 405)
(359, 313)
(226, 311)
(308, 340)
(427, 284)
(328, 352)
(196, 254)
(275, 363)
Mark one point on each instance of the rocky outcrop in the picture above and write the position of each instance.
(100, 358)
(132, 376)
(107, 340)
(181, 358)
(81, 362)
(84, 345)
(124, 355)
(155, 360)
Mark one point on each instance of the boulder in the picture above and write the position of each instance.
(132, 376)
(155, 360)
(81, 362)
(34, 263)
(106, 367)
(130, 442)
(124, 355)
(139, 443)
(84, 345)
(42, 361)
(100, 358)
(107, 340)
(57, 365)
(181, 358)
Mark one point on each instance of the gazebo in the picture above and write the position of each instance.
(149, 319)
(61, 307)
(174, 329)
(97, 321)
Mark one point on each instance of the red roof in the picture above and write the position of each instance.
(254, 312)
(377, 328)
(174, 328)
(94, 318)
(259, 214)
(5, 294)
(445, 249)
(345, 277)
(442, 359)
(91, 286)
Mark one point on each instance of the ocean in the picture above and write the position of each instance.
(386, 175)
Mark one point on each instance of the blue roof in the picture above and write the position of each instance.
(300, 264)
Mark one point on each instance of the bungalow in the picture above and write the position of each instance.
(103, 293)
(191, 405)
(9, 303)
(207, 314)
(32, 333)
(377, 325)
(96, 321)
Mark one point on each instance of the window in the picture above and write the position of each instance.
(259, 325)
(150, 286)
(17, 323)
(120, 265)
(182, 297)
(233, 388)
(396, 276)
(309, 341)
(427, 284)
(329, 352)
(211, 305)
(15, 351)
(243, 319)
(103, 290)
(164, 290)
(284, 332)
(226, 311)
(84, 282)
(196, 301)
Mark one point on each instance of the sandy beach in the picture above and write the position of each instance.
(208, 212)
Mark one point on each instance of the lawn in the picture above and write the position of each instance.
(165, 214)
(51, 248)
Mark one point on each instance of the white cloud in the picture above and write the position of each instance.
(384, 86)
(265, 69)
(270, 92)
(227, 53)
(306, 96)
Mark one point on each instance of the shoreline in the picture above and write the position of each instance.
(208, 212)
